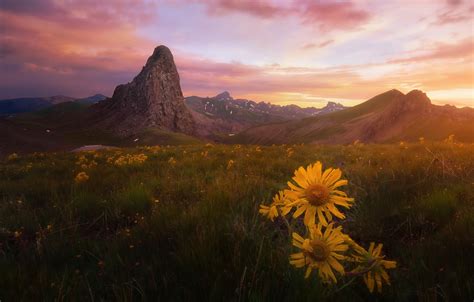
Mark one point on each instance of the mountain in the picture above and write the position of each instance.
(92, 99)
(389, 117)
(22, 105)
(153, 99)
(224, 115)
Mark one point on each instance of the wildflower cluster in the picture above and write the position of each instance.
(128, 159)
(316, 196)
(151, 149)
(85, 163)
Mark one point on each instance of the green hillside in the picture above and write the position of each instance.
(388, 117)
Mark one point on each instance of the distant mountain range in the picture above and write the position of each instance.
(224, 115)
(389, 117)
(23, 105)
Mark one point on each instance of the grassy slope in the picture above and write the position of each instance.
(326, 126)
(56, 128)
(332, 128)
(204, 239)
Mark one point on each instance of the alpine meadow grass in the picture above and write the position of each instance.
(182, 223)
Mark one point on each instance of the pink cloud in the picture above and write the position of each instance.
(318, 45)
(461, 49)
(259, 8)
(330, 15)
(326, 14)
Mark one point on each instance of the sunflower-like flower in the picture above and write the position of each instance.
(315, 193)
(374, 266)
(278, 206)
(321, 251)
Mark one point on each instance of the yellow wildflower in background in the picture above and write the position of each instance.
(128, 159)
(81, 177)
(315, 193)
(450, 139)
(172, 161)
(12, 156)
(279, 204)
(373, 262)
(230, 164)
(321, 251)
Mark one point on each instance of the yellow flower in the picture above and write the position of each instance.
(172, 161)
(373, 262)
(279, 203)
(129, 159)
(230, 164)
(81, 177)
(315, 193)
(12, 156)
(320, 252)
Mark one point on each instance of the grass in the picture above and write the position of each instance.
(189, 229)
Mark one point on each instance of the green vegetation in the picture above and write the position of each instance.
(179, 223)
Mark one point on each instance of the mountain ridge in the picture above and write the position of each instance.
(387, 117)
(31, 104)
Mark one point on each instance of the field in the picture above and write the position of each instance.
(181, 223)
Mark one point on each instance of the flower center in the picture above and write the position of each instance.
(320, 250)
(317, 194)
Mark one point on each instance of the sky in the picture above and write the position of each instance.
(304, 52)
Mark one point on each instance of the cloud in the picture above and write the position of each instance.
(317, 45)
(449, 17)
(454, 2)
(326, 15)
(80, 48)
(41, 54)
(441, 51)
(330, 15)
(258, 8)
(84, 13)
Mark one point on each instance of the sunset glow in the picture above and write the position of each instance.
(302, 52)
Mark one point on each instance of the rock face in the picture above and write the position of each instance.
(153, 99)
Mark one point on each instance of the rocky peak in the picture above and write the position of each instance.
(334, 105)
(224, 96)
(153, 99)
(415, 100)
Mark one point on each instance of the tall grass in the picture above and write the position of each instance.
(190, 229)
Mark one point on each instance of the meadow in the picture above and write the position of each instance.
(182, 223)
